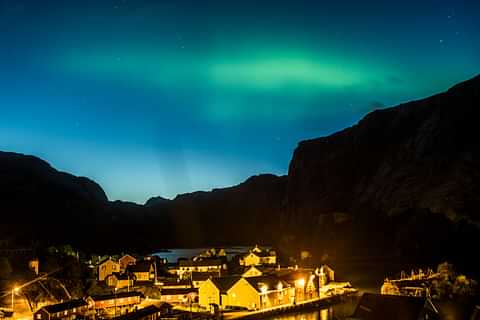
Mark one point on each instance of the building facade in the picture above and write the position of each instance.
(106, 267)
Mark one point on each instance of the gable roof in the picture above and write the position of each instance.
(225, 283)
(105, 260)
(247, 269)
(178, 291)
(258, 254)
(121, 276)
(140, 314)
(127, 256)
(200, 263)
(202, 276)
(118, 295)
(381, 306)
(67, 305)
(269, 280)
(140, 266)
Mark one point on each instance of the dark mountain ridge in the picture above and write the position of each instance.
(403, 181)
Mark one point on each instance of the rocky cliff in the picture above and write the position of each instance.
(407, 176)
(404, 180)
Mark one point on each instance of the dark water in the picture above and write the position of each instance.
(335, 312)
(172, 255)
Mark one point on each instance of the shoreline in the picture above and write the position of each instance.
(281, 310)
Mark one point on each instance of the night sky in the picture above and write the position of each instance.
(165, 97)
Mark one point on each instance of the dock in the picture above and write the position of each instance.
(311, 304)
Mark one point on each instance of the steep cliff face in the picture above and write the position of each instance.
(423, 154)
(404, 180)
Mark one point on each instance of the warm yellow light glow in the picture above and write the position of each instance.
(301, 282)
(264, 289)
(16, 289)
(280, 286)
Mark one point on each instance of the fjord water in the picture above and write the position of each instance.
(338, 311)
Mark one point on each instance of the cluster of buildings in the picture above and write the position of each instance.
(117, 306)
(128, 271)
(415, 284)
(210, 282)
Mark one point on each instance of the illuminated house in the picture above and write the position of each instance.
(148, 313)
(169, 283)
(304, 282)
(66, 310)
(123, 302)
(34, 265)
(179, 295)
(252, 271)
(125, 261)
(198, 278)
(251, 293)
(106, 267)
(259, 293)
(257, 257)
(120, 280)
(144, 271)
(213, 292)
(186, 267)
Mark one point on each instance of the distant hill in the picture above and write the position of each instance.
(404, 181)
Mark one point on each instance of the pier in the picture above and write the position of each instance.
(300, 306)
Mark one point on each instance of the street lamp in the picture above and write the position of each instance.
(15, 290)
(115, 301)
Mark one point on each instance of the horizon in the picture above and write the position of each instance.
(159, 99)
(246, 178)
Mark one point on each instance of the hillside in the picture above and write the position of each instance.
(402, 182)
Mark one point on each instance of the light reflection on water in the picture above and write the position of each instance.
(339, 311)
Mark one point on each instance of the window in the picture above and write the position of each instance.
(39, 316)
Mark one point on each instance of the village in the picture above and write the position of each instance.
(209, 285)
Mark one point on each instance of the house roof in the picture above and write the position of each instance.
(201, 276)
(258, 254)
(380, 306)
(178, 291)
(105, 260)
(269, 280)
(200, 263)
(118, 295)
(67, 305)
(140, 266)
(174, 282)
(225, 283)
(120, 276)
(127, 256)
(140, 314)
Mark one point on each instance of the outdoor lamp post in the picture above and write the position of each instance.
(15, 290)
(115, 303)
